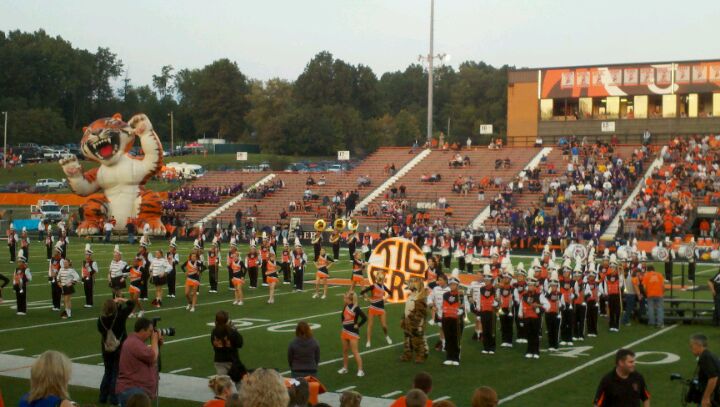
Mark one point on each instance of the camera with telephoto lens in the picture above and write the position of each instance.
(691, 391)
(169, 331)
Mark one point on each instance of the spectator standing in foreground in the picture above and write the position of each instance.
(138, 363)
(303, 352)
(115, 313)
(623, 386)
(708, 368)
(49, 378)
(714, 285)
(654, 284)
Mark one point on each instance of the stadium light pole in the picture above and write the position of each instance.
(429, 59)
(172, 133)
(5, 141)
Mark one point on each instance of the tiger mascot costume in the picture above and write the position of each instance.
(116, 187)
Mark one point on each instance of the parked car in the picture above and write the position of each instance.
(28, 154)
(336, 168)
(50, 183)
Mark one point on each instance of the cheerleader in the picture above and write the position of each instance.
(213, 261)
(231, 254)
(88, 270)
(351, 242)
(21, 277)
(49, 242)
(53, 270)
(237, 268)
(144, 266)
(12, 239)
(173, 259)
(265, 251)
(117, 273)
(323, 264)
(377, 305)
(335, 243)
(159, 269)
(67, 278)
(299, 259)
(357, 271)
(135, 275)
(252, 263)
(285, 262)
(25, 242)
(192, 268)
(367, 242)
(352, 318)
(271, 276)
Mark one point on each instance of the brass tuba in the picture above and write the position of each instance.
(339, 224)
(320, 225)
(353, 224)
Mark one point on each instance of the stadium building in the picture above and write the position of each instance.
(666, 98)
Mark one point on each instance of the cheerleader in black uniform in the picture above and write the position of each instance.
(228, 259)
(173, 259)
(117, 273)
(21, 277)
(135, 275)
(358, 266)
(237, 268)
(323, 264)
(88, 271)
(352, 318)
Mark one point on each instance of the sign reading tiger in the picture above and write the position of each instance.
(401, 260)
(116, 187)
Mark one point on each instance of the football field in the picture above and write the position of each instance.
(564, 378)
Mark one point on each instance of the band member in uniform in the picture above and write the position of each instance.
(669, 259)
(474, 300)
(367, 242)
(377, 291)
(213, 261)
(4, 281)
(579, 306)
(446, 244)
(505, 295)
(323, 264)
(12, 239)
(53, 270)
(357, 278)
(452, 314)
(486, 307)
(89, 270)
(552, 317)
(335, 243)
(25, 242)
(192, 268)
(519, 286)
(435, 300)
(117, 273)
(159, 270)
(252, 263)
(531, 304)
(567, 320)
(67, 278)
(432, 273)
(317, 245)
(230, 255)
(173, 259)
(352, 318)
(49, 242)
(593, 291)
(285, 261)
(612, 287)
(298, 259)
(237, 267)
(63, 242)
(144, 267)
(351, 242)
(21, 277)
(271, 276)
(136, 282)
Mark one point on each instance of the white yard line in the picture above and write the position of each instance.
(345, 389)
(391, 394)
(441, 399)
(12, 350)
(583, 366)
(185, 369)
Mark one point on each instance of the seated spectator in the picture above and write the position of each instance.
(442, 202)
(322, 180)
(392, 169)
(403, 190)
(498, 163)
(49, 378)
(538, 142)
(350, 399)
(299, 392)
(222, 387)
(292, 207)
(466, 161)
(307, 195)
(435, 177)
(310, 180)
(283, 214)
(416, 398)
(424, 178)
(506, 163)
(421, 382)
(263, 388)
(484, 397)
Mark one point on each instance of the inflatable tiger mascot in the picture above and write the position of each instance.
(115, 188)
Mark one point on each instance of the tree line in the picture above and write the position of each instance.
(52, 90)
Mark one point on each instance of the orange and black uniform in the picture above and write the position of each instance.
(192, 273)
(612, 290)
(237, 270)
(552, 318)
(616, 391)
(213, 263)
(89, 268)
(252, 261)
(335, 242)
(285, 265)
(20, 280)
(352, 318)
(264, 256)
(580, 311)
(271, 273)
(520, 289)
(377, 302)
(173, 259)
(145, 271)
(488, 305)
(530, 303)
(593, 291)
(357, 271)
(452, 323)
(228, 259)
(351, 244)
(505, 296)
(567, 290)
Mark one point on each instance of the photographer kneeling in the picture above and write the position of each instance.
(138, 363)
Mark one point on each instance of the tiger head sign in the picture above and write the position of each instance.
(400, 260)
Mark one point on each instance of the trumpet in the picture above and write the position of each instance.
(339, 224)
(320, 225)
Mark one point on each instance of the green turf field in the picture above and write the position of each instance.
(567, 378)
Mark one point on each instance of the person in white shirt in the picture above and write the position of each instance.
(67, 277)
(117, 273)
(108, 228)
(159, 269)
(435, 301)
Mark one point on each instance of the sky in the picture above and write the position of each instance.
(277, 38)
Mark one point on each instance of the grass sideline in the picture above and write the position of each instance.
(267, 329)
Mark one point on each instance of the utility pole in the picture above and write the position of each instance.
(5, 144)
(430, 73)
(172, 133)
